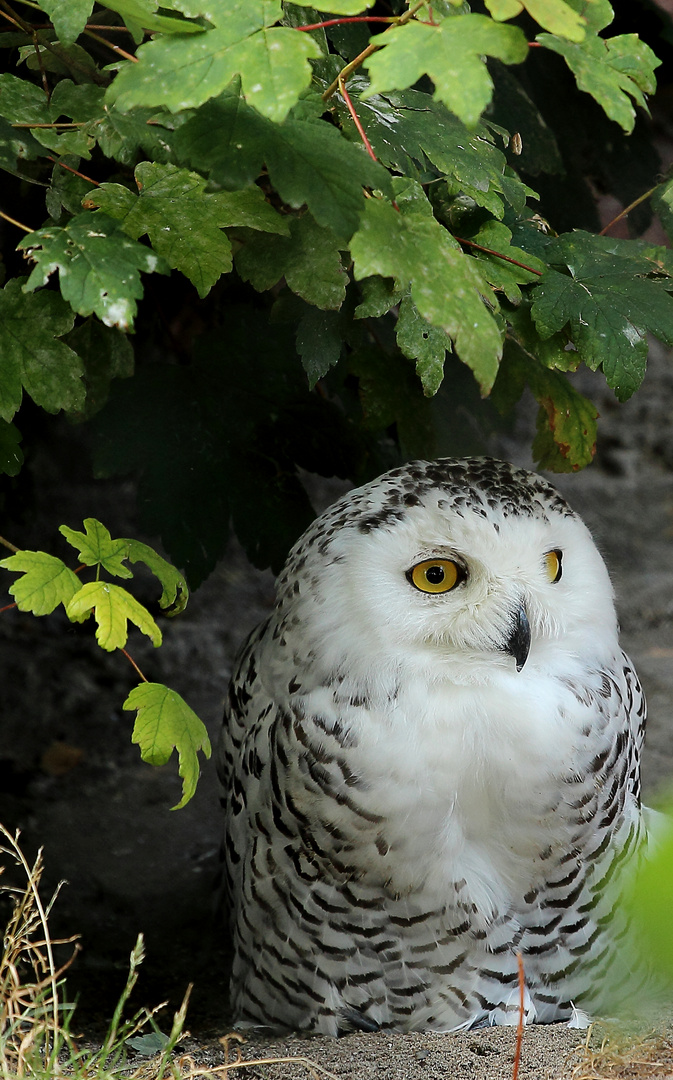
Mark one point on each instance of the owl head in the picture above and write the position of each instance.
(463, 568)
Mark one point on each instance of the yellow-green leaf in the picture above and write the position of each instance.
(45, 583)
(113, 607)
(175, 592)
(556, 16)
(97, 548)
(165, 723)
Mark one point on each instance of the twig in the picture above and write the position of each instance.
(13, 221)
(56, 124)
(58, 50)
(6, 543)
(499, 255)
(360, 59)
(40, 64)
(356, 119)
(351, 19)
(69, 168)
(519, 1030)
(133, 664)
(115, 48)
(628, 209)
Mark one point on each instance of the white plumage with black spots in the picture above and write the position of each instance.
(430, 763)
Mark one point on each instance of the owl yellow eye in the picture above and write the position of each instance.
(553, 565)
(436, 575)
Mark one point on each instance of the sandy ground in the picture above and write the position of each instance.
(70, 779)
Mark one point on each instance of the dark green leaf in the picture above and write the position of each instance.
(319, 343)
(32, 357)
(608, 302)
(106, 354)
(407, 129)
(11, 454)
(423, 343)
(16, 145)
(308, 259)
(309, 162)
(566, 423)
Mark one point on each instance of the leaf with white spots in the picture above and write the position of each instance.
(409, 245)
(99, 266)
(183, 222)
(183, 73)
(610, 294)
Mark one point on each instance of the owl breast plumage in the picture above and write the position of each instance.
(430, 763)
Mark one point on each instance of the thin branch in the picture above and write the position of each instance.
(519, 1030)
(58, 50)
(6, 543)
(499, 255)
(115, 48)
(13, 221)
(351, 19)
(40, 64)
(360, 59)
(133, 664)
(356, 119)
(627, 209)
(56, 124)
(69, 168)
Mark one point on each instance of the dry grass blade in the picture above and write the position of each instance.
(618, 1058)
(31, 1014)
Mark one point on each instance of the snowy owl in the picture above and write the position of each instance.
(431, 760)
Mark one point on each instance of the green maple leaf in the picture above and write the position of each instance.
(412, 247)
(566, 422)
(175, 592)
(319, 343)
(99, 266)
(181, 74)
(337, 7)
(425, 344)
(165, 723)
(309, 162)
(96, 547)
(406, 127)
(451, 53)
(554, 15)
(141, 15)
(184, 223)
(615, 71)
(31, 355)
(608, 302)
(69, 18)
(308, 259)
(112, 607)
(506, 274)
(45, 581)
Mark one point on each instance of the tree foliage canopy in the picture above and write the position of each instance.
(318, 237)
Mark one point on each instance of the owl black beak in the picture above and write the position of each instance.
(518, 642)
